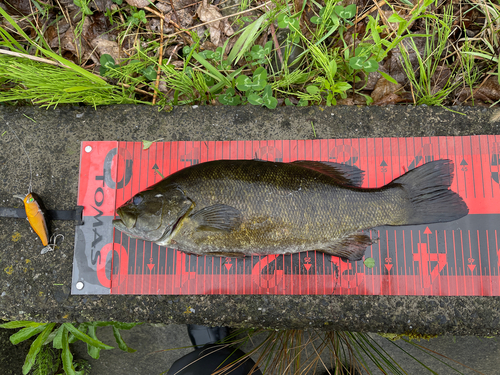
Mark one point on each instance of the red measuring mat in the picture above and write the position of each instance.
(448, 259)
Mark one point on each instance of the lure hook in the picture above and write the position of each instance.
(52, 243)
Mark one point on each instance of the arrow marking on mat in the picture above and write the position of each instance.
(155, 168)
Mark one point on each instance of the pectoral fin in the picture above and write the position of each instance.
(218, 217)
(351, 247)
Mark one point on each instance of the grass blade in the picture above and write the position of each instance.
(69, 64)
(245, 40)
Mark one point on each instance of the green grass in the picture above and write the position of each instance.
(330, 56)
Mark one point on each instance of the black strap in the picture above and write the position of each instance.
(20, 213)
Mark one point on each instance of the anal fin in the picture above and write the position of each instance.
(351, 247)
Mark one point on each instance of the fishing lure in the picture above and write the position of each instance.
(35, 210)
(36, 214)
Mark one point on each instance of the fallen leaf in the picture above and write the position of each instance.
(147, 144)
(208, 13)
(109, 47)
(138, 3)
(394, 64)
(440, 78)
(357, 100)
(186, 17)
(384, 88)
(99, 26)
(388, 100)
(490, 89)
(17, 7)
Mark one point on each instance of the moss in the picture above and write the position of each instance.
(412, 335)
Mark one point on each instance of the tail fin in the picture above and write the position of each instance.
(431, 200)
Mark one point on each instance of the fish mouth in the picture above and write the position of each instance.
(128, 221)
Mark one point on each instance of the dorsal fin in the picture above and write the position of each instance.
(344, 174)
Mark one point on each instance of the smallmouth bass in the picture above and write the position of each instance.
(235, 208)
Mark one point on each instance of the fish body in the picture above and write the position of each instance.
(246, 207)
(36, 215)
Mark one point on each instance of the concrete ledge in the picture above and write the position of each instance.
(37, 287)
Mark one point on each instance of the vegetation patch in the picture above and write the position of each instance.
(265, 53)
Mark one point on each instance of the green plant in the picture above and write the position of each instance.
(61, 337)
(265, 98)
(47, 361)
(470, 71)
(258, 55)
(136, 18)
(84, 6)
(424, 79)
(229, 97)
(257, 90)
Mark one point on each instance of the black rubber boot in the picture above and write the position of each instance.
(202, 335)
(210, 358)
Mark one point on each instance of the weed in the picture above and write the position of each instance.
(423, 79)
(61, 337)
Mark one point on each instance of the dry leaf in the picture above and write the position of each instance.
(165, 8)
(208, 13)
(109, 47)
(394, 65)
(138, 3)
(490, 89)
(14, 7)
(357, 100)
(440, 78)
(154, 25)
(384, 88)
(388, 100)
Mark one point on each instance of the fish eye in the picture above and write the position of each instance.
(137, 200)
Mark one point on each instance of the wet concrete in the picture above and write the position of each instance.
(37, 287)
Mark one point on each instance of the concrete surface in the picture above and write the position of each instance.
(36, 287)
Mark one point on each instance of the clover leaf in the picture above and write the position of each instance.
(149, 73)
(107, 63)
(214, 55)
(363, 63)
(332, 22)
(268, 99)
(284, 21)
(224, 65)
(347, 12)
(259, 81)
(229, 97)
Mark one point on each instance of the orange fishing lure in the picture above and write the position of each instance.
(35, 212)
